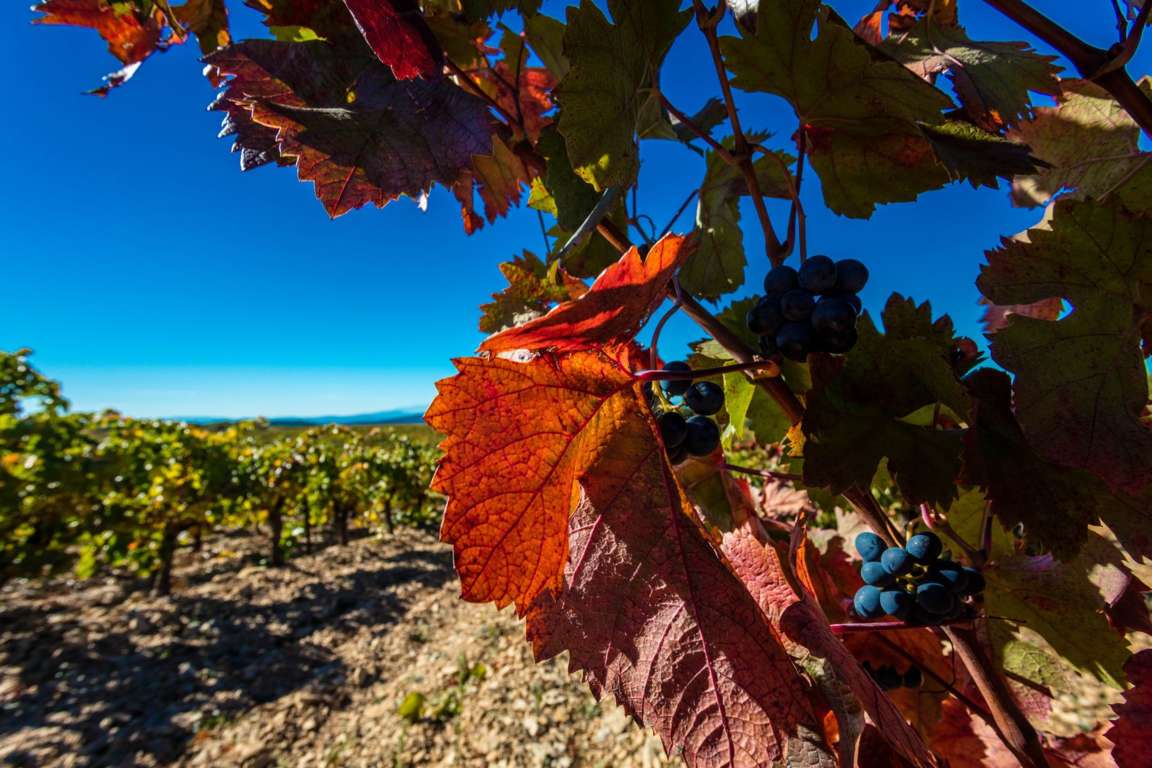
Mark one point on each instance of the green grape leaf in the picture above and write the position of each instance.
(532, 289)
(1080, 383)
(992, 79)
(968, 152)
(855, 414)
(861, 113)
(1052, 623)
(1089, 142)
(1054, 504)
(717, 266)
(613, 65)
(546, 37)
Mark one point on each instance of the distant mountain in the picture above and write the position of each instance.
(395, 416)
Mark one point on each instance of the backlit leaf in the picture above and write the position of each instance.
(208, 20)
(532, 289)
(1089, 141)
(359, 134)
(399, 36)
(612, 64)
(652, 617)
(518, 437)
(132, 35)
(992, 79)
(613, 311)
(860, 112)
(1080, 382)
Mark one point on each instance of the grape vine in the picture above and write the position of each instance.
(684, 542)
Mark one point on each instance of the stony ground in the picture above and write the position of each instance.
(353, 656)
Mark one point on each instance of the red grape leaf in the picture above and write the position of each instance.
(1080, 383)
(613, 311)
(954, 739)
(1129, 612)
(498, 176)
(359, 134)
(764, 573)
(399, 36)
(518, 436)
(874, 751)
(1131, 731)
(132, 35)
(652, 616)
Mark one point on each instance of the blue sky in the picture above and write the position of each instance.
(152, 276)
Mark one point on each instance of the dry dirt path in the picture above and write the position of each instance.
(304, 666)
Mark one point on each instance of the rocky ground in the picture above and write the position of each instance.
(353, 656)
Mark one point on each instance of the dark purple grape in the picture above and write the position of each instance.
(673, 429)
(897, 561)
(703, 436)
(867, 602)
(765, 318)
(704, 398)
(851, 275)
(935, 598)
(768, 346)
(678, 455)
(874, 574)
(870, 546)
(835, 343)
(797, 305)
(896, 602)
(780, 280)
(851, 298)
(794, 340)
(924, 547)
(817, 274)
(679, 387)
(975, 584)
(833, 316)
(952, 574)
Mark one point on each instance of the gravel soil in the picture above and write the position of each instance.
(306, 665)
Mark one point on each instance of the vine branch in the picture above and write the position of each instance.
(707, 20)
(1105, 68)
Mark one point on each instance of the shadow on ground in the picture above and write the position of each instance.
(135, 677)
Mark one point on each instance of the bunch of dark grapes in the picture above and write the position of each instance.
(888, 678)
(813, 309)
(914, 582)
(687, 428)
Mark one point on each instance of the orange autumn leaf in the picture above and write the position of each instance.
(131, 36)
(612, 311)
(518, 435)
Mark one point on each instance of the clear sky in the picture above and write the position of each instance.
(150, 275)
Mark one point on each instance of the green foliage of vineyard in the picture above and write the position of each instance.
(86, 491)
